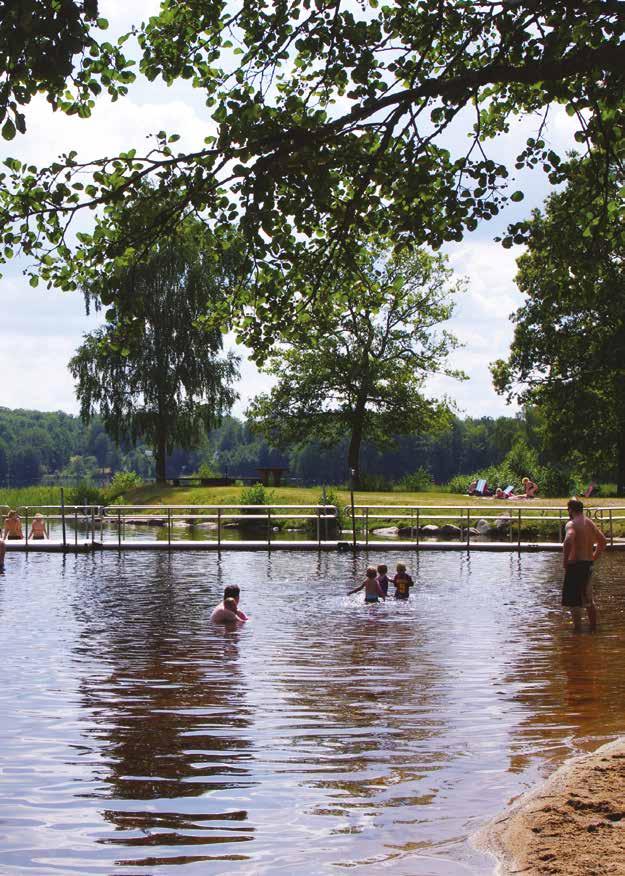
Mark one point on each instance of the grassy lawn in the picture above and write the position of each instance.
(157, 495)
(160, 497)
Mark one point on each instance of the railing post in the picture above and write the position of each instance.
(219, 528)
(119, 528)
(75, 526)
(319, 526)
(92, 525)
(26, 524)
(367, 526)
(518, 529)
(169, 528)
(353, 526)
(560, 525)
(468, 529)
(268, 527)
(418, 527)
(63, 516)
(611, 530)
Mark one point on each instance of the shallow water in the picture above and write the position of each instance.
(323, 736)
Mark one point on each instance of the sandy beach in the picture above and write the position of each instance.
(573, 824)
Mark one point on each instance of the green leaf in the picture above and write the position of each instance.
(8, 130)
(517, 196)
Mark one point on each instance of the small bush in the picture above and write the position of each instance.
(122, 481)
(84, 494)
(558, 481)
(332, 498)
(417, 482)
(256, 495)
(374, 483)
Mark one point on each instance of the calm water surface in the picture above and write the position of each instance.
(322, 737)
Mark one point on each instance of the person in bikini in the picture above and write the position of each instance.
(372, 588)
(38, 527)
(13, 525)
(583, 543)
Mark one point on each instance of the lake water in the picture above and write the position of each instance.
(322, 737)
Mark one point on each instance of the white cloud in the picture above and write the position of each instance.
(113, 127)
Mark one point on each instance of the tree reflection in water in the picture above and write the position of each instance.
(166, 710)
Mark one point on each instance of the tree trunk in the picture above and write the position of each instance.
(161, 458)
(353, 453)
(620, 451)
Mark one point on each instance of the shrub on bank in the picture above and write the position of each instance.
(420, 481)
(121, 483)
(84, 493)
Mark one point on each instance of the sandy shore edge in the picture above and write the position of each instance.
(573, 823)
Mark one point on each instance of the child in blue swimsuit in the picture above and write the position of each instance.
(383, 578)
(372, 588)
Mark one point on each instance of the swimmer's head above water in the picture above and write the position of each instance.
(232, 592)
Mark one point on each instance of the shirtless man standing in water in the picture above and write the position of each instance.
(583, 543)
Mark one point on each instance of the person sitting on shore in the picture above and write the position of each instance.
(13, 526)
(38, 527)
(530, 488)
(471, 488)
(372, 588)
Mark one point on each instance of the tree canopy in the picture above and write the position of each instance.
(160, 377)
(48, 46)
(568, 352)
(324, 118)
(359, 365)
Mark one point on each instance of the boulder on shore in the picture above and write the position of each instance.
(450, 529)
(502, 524)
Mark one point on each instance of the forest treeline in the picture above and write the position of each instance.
(39, 447)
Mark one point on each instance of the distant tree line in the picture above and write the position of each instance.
(37, 446)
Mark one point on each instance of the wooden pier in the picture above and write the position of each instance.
(181, 545)
(460, 528)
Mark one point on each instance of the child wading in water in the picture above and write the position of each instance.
(383, 578)
(372, 588)
(403, 582)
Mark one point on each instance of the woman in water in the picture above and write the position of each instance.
(38, 527)
(13, 525)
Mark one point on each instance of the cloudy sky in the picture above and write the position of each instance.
(40, 329)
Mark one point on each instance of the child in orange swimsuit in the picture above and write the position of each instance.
(403, 582)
